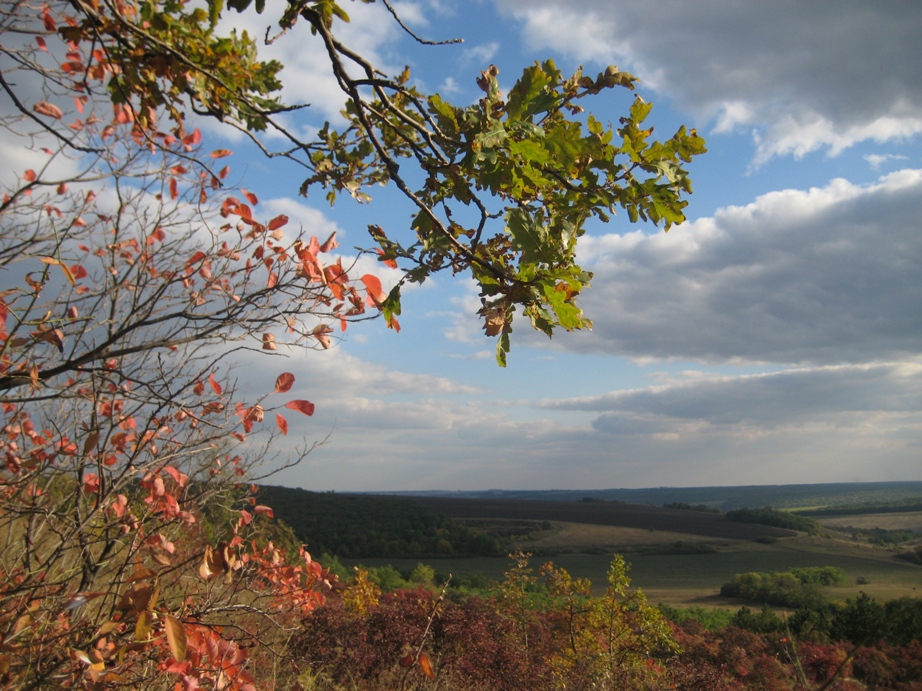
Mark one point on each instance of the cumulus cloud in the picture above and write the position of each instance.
(822, 74)
(826, 275)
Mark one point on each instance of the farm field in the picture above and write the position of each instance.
(695, 579)
(678, 557)
(911, 520)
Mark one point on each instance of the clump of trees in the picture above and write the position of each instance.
(794, 588)
(772, 517)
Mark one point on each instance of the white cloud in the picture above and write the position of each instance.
(827, 275)
(877, 160)
(481, 55)
(449, 86)
(818, 75)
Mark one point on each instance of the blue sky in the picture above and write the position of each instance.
(773, 338)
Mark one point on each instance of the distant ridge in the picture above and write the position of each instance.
(725, 498)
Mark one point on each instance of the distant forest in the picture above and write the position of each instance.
(828, 495)
(355, 525)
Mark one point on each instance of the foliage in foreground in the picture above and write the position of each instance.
(543, 631)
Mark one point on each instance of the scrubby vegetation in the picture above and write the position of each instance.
(540, 629)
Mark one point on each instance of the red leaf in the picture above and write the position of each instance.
(123, 114)
(278, 222)
(330, 243)
(284, 382)
(373, 286)
(221, 153)
(192, 139)
(391, 263)
(301, 406)
(49, 109)
(252, 198)
(174, 188)
(224, 171)
(282, 423)
(48, 20)
(215, 386)
(157, 236)
(29, 175)
(268, 342)
(195, 258)
(90, 483)
(41, 43)
(264, 511)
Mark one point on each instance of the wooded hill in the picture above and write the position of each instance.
(356, 525)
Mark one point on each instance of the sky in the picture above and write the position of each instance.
(773, 338)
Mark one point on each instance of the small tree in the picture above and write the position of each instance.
(129, 286)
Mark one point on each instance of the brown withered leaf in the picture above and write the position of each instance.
(175, 637)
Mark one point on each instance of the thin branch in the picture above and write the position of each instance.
(25, 111)
(415, 37)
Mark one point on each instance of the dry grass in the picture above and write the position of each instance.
(887, 521)
(578, 537)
